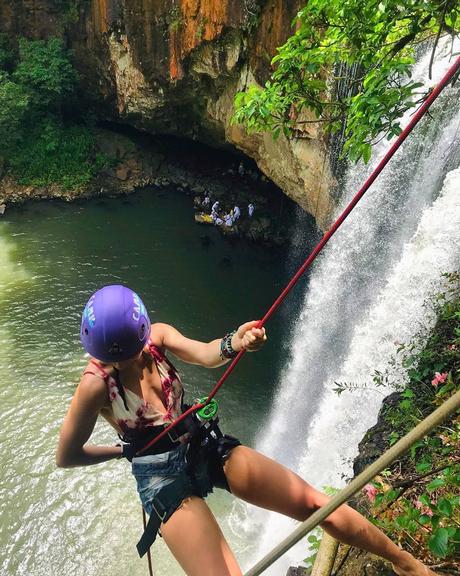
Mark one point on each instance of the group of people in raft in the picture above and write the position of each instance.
(131, 382)
(218, 216)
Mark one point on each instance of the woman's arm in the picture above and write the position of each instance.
(207, 353)
(90, 397)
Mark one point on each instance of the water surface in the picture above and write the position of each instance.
(53, 255)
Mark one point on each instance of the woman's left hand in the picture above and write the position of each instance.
(249, 337)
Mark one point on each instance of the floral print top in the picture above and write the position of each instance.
(132, 412)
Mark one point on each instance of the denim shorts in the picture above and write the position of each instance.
(155, 471)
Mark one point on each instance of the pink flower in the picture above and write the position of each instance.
(371, 492)
(423, 509)
(452, 347)
(439, 379)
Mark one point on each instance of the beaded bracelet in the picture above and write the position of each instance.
(226, 348)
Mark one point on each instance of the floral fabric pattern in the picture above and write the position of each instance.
(133, 412)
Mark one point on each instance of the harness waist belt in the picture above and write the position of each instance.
(140, 438)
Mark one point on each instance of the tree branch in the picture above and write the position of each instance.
(413, 480)
(438, 35)
(408, 38)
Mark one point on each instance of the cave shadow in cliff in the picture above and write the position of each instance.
(226, 174)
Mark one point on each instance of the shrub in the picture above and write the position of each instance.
(14, 108)
(45, 69)
(42, 146)
(53, 153)
(417, 500)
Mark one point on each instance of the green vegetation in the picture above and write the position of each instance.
(314, 542)
(175, 20)
(201, 28)
(417, 500)
(6, 53)
(45, 70)
(41, 144)
(378, 38)
(54, 153)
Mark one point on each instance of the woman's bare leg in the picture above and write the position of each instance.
(263, 482)
(194, 537)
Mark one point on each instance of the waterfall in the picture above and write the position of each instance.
(366, 292)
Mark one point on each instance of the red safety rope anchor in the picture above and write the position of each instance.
(404, 134)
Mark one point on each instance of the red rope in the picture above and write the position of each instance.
(367, 184)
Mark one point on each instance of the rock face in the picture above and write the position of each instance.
(376, 439)
(174, 66)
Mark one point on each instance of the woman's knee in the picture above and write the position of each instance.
(315, 499)
(311, 501)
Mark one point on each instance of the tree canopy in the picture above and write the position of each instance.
(45, 69)
(43, 138)
(376, 38)
(34, 82)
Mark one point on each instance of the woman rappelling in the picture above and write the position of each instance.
(130, 381)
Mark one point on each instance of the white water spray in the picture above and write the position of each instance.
(367, 291)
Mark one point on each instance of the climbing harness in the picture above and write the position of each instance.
(208, 449)
(420, 112)
(149, 555)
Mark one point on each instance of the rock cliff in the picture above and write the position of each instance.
(174, 67)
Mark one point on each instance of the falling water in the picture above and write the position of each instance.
(366, 292)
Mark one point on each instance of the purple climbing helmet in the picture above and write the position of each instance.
(115, 325)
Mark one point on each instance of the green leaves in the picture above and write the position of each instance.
(426, 511)
(7, 55)
(434, 484)
(423, 467)
(39, 146)
(42, 79)
(375, 38)
(438, 542)
(14, 106)
(444, 507)
(366, 152)
(56, 154)
(45, 69)
(314, 541)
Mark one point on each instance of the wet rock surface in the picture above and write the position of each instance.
(298, 571)
(353, 562)
(376, 439)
